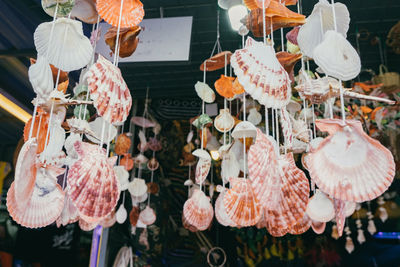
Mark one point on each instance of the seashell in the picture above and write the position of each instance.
(134, 215)
(69, 145)
(319, 22)
(64, 7)
(92, 182)
(122, 176)
(224, 122)
(63, 79)
(349, 245)
(188, 182)
(153, 164)
(45, 203)
(204, 91)
(317, 91)
(254, 4)
(300, 129)
(39, 131)
(198, 211)
(301, 226)
(147, 216)
(229, 166)
(127, 162)
(87, 226)
(113, 105)
(96, 128)
(203, 165)
(288, 61)
(340, 217)
(318, 227)
(85, 10)
(137, 187)
(224, 86)
(349, 208)
(72, 54)
(202, 121)
(291, 36)
(337, 57)
(143, 122)
(132, 12)
(139, 199)
(188, 226)
(121, 214)
(335, 234)
(41, 78)
(123, 143)
(306, 113)
(154, 144)
(79, 126)
(320, 208)
(241, 204)
(254, 117)
(217, 61)
(287, 129)
(277, 16)
(244, 129)
(153, 188)
(128, 40)
(261, 74)
(69, 214)
(109, 221)
(342, 165)
(220, 212)
(56, 140)
(237, 88)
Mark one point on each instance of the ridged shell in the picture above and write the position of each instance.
(204, 92)
(224, 122)
(132, 12)
(261, 74)
(310, 34)
(137, 187)
(139, 199)
(198, 211)
(87, 226)
(229, 166)
(123, 143)
(109, 91)
(85, 10)
(224, 86)
(69, 213)
(337, 57)
(41, 121)
(348, 164)
(122, 176)
(287, 129)
(301, 226)
(318, 227)
(244, 129)
(92, 182)
(241, 204)
(220, 212)
(109, 221)
(147, 216)
(320, 208)
(202, 169)
(254, 116)
(41, 78)
(72, 54)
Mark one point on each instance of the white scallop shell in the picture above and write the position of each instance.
(137, 187)
(311, 34)
(96, 128)
(69, 145)
(337, 57)
(72, 54)
(121, 214)
(244, 129)
(204, 92)
(139, 199)
(229, 166)
(224, 122)
(41, 78)
(56, 141)
(122, 176)
(254, 116)
(147, 216)
(201, 153)
(320, 208)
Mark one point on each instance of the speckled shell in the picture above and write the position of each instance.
(241, 204)
(198, 211)
(147, 216)
(109, 221)
(261, 74)
(122, 144)
(301, 226)
(109, 91)
(340, 215)
(92, 182)
(134, 215)
(348, 164)
(132, 12)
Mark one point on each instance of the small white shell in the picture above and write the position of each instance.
(201, 153)
(224, 122)
(320, 208)
(97, 127)
(204, 92)
(254, 116)
(137, 187)
(147, 216)
(244, 129)
(121, 214)
(41, 77)
(122, 176)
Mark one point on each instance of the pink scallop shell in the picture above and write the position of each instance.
(348, 164)
(340, 209)
(93, 184)
(220, 212)
(301, 226)
(109, 91)
(187, 225)
(198, 211)
(87, 226)
(143, 122)
(147, 216)
(318, 227)
(202, 169)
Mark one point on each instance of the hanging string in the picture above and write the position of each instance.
(277, 129)
(264, 23)
(266, 121)
(282, 41)
(313, 120)
(273, 122)
(217, 44)
(225, 104)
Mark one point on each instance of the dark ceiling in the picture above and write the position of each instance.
(19, 18)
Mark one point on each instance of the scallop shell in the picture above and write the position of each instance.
(132, 12)
(337, 57)
(244, 129)
(134, 216)
(123, 143)
(153, 164)
(143, 122)
(187, 225)
(301, 226)
(287, 129)
(311, 34)
(204, 91)
(85, 10)
(72, 54)
(45, 204)
(229, 166)
(198, 211)
(69, 214)
(109, 221)
(217, 61)
(254, 116)
(41, 121)
(92, 182)
(261, 74)
(139, 199)
(96, 128)
(224, 86)
(224, 122)
(220, 212)
(127, 162)
(64, 7)
(349, 165)
(121, 214)
(109, 91)
(122, 176)
(154, 144)
(137, 187)
(41, 78)
(147, 216)
(320, 208)
(318, 227)
(203, 165)
(241, 204)
(87, 226)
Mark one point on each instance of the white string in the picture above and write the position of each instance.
(277, 129)
(273, 123)
(264, 23)
(313, 118)
(282, 43)
(266, 121)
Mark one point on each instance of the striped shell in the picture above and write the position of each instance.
(92, 182)
(132, 12)
(198, 211)
(286, 128)
(261, 74)
(87, 226)
(220, 212)
(241, 204)
(109, 91)
(224, 122)
(301, 226)
(147, 216)
(348, 164)
(203, 165)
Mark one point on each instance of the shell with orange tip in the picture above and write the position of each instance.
(198, 211)
(63, 79)
(348, 164)
(277, 14)
(301, 226)
(288, 61)
(254, 4)
(147, 216)
(220, 212)
(92, 182)
(134, 215)
(128, 40)
(132, 12)
(217, 61)
(123, 143)
(241, 204)
(39, 130)
(224, 86)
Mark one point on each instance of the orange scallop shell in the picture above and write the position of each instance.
(42, 119)
(224, 86)
(198, 211)
(237, 88)
(122, 144)
(301, 226)
(127, 39)
(127, 161)
(254, 4)
(132, 12)
(134, 215)
(217, 61)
